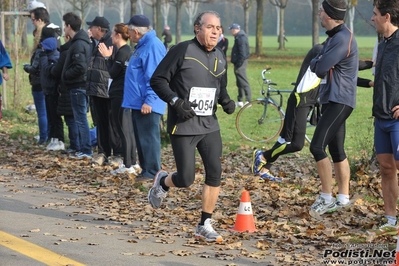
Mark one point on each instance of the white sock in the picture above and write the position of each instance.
(281, 140)
(327, 197)
(391, 219)
(344, 199)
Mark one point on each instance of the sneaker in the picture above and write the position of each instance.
(41, 142)
(99, 159)
(137, 168)
(68, 151)
(51, 144)
(257, 162)
(239, 104)
(157, 193)
(268, 176)
(385, 229)
(59, 145)
(321, 207)
(115, 161)
(81, 155)
(207, 232)
(123, 169)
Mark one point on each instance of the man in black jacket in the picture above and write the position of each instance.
(239, 58)
(97, 89)
(74, 78)
(193, 74)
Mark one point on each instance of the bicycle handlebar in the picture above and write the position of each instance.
(265, 80)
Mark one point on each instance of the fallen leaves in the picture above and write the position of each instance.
(286, 232)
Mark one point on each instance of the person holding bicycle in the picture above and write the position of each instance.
(337, 64)
(292, 137)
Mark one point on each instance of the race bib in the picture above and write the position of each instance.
(204, 98)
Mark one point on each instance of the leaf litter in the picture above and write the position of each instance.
(286, 232)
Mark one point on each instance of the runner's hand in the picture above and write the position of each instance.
(229, 107)
(184, 109)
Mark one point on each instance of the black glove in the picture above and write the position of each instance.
(27, 68)
(229, 107)
(184, 109)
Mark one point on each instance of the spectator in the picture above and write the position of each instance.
(385, 109)
(48, 57)
(97, 88)
(223, 42)
(147, 108)
(5, 64)
(74, 79)
(98, 77)
(168, 36)
(122, 117)
(64, 107)
(40, 18)
(239, 58)
(337, 65)
(189, 68)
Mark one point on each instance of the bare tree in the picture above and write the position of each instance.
(83, 7)
(281, 4)
(165, 11)
(121, 6)
(246, 6)
(315, 22)
(191, 8)
(259, 28)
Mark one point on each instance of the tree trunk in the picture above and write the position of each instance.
(259, 28)
(178, 22)
(133, 7)
(315, 22)
(281, 39)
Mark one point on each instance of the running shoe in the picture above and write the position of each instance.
(268, 176)
(207, 232)
(320, 206)
(157, 193)
(257, 162)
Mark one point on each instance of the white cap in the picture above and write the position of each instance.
(35, 4)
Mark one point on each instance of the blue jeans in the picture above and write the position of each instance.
(79, 108)
(40, 104)
(146, 129)
(73, 133)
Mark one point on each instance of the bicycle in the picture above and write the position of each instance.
(262, 120)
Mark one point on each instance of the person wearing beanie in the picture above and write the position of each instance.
(337, 66)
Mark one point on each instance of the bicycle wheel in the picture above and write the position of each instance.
(258, 121)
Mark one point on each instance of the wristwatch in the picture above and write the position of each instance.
(173, 101)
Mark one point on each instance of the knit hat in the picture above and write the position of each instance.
(139, 21)
(333, 12)
(50, 30)
(100, 22)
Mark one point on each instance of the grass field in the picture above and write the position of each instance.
(285, 65)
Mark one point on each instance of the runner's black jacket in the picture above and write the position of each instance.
(188, 65)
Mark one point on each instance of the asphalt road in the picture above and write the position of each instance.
(39, 227)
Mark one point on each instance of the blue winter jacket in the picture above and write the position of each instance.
(147, 54)
(48, 57)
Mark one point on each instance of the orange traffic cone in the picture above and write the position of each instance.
(245, 219)
(396, 263)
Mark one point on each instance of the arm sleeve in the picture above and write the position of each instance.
(165, 71)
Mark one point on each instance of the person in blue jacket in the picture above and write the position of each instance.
(147, 108)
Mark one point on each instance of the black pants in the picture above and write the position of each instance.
(122, 119)
(330, 131)
(210, 149)
(296, 142)
(55, 124)
(101, 115)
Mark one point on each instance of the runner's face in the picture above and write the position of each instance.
(209, 32)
